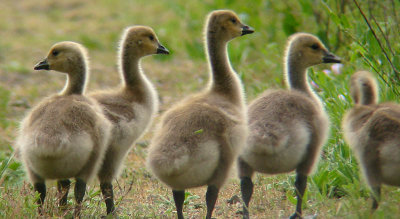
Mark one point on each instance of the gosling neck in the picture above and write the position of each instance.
(135, 84)
(368, 95)
(76, 80)
(130, 68)
(296, 78)
(223, 79)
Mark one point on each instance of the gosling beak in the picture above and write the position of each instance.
(247, 30)
(162, 50)
(331, 58)
(42, 65)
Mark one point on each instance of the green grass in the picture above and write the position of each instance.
(336, 190)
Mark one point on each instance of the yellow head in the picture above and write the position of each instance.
(225, 25)
(141, 41)
(65, 57)
(307, 50)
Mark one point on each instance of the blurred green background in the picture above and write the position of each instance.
(364, 33)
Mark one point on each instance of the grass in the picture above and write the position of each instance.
(336, 190)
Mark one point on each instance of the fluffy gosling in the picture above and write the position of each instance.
(287, 128)
(65, 135)
(199, 138)
(131, 107)
(373, 132)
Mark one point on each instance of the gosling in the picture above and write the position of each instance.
(373, 132)
(66, 135)
(131, 107)
(199, 138)
(287, 128)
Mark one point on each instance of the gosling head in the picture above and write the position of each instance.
(141, 41)
(64, 57)
(364, 88)
(307, 50)
(226, 25)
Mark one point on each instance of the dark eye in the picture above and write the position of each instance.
(55, 52)
(151, 38)
(314, 46)
(233, 20)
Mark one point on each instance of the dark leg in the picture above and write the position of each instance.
(63, 189)
(300, 184)
(179, 198)
(40, 187)
(211, 198)
(376, 196)
(80, 188)
(246, 186)
(108, 194)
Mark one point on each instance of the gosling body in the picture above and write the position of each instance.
(287, 128)
(372, 131)
(66, 135)
(199, 138)
(131, 107)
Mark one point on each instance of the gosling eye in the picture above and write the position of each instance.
(314, 46)
(55, 52)
(233, 20)
(151, 37)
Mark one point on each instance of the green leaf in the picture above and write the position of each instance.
(396, 61)
(372, 44)
(345, 21)
(4, 165)
(290, 197)
(198, 131)
(331, 14)
(14, 166)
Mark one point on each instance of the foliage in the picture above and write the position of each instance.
(364, 33)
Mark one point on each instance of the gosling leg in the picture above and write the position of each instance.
(246, 186)
(40, 187)
(63, 189)
(80, 188)
(300, 184)
(376, 196)
(108, 194)
(211, 199)
(179, 198)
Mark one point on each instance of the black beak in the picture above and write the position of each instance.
(247, 30)
(331, 58)
(42, 65)
(162, 50)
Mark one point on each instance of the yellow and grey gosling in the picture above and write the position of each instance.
(65, 135)
(373, 132)
(130, 107)
(287, 128)
(199, 138)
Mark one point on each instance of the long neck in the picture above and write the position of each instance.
(368, 95)
(130, 69)
(223, 79)
(296, 78)
(296, 75)
(76, 80)
(136, 85)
